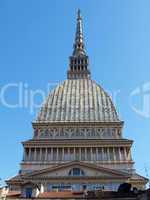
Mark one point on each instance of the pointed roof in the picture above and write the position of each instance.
(78, 66)
(79, 40)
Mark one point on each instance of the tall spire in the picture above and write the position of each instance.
(78, 67)
(79, 43)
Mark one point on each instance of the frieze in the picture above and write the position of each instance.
(77, 133)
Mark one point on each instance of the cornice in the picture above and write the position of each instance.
(78, 142)
(63, 162)
(36, 124)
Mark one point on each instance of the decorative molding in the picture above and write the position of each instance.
(77, 133)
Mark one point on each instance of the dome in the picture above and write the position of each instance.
(78, 100)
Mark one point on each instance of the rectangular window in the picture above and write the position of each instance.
(28, 192)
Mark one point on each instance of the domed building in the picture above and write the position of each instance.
(77, 142)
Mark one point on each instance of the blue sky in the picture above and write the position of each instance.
(36, 39)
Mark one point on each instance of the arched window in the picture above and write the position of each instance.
(76, 172)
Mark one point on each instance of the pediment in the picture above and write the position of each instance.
(89, 170)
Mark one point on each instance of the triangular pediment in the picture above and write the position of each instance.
(89, 170)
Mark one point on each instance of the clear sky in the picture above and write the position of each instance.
(36, 38)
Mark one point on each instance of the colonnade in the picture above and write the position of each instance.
(77, 153)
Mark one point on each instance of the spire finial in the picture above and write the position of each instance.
(79, 14)
(79, 43)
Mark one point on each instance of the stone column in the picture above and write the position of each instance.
(70, 153)
(57, 154)
(24, 154)
(67, 153)
(114, 154)
(103, 157)
(108, 154)
(129, 156)
(51, 154)
(97, 157)
(91, 152)
(74, 153)
(85, 153)
(63, 153)
(46, 154)
(79, 153)
(29, 154)
(125, 153)
(120, 156)
(34, 154)
(40, 154)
